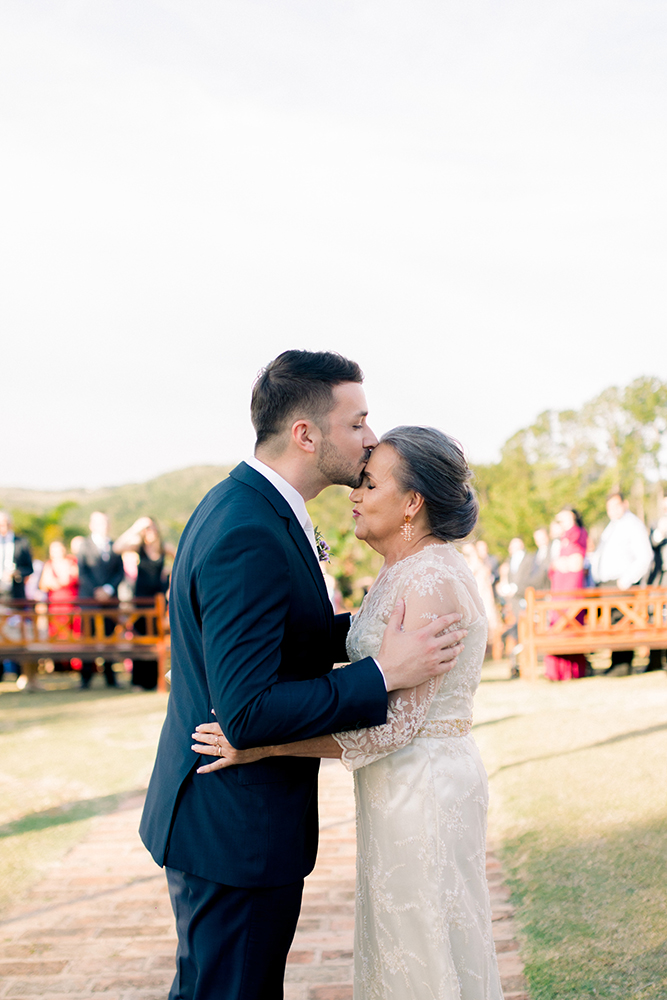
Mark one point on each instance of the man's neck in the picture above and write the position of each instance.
(292, 470)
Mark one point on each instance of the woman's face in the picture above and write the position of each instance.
(565, 520)
(379, 503)
(150, 534)
(57, 550)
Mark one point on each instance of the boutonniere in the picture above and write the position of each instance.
(323, 549)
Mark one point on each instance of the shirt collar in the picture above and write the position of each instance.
(286, 490)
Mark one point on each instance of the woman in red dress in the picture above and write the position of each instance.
(567, 573)
(60, 581)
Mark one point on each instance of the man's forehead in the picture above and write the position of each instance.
(350, 396)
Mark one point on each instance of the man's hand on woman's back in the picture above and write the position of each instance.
(410, 658)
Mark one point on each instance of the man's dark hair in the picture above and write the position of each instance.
(616, 493)
(298, 384)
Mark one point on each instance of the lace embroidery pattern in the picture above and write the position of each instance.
(435, 581)
(445, 727)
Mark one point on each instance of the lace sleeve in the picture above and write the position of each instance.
(430, 593)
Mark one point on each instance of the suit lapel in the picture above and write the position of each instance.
(244, 474)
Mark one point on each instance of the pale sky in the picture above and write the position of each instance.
(467, 197)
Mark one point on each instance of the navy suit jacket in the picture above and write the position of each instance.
(94, 571)
(254, 638)
(23, 567)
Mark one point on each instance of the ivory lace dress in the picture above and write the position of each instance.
(423, 915)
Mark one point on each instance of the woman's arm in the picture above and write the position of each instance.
(569, 564)
(47, 580)
(130, 540)
(212, 742)
(436, 593)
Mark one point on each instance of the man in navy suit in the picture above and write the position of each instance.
(100, 574)
(254, 639)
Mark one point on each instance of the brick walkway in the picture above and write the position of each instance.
(100, 924)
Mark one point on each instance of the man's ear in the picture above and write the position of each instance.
(306, 435)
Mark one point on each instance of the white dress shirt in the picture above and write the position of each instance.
(7, 565)
(292, 496)
(624, 553)
(7, 552)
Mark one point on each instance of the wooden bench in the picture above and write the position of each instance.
(31, 630)
(550, 625)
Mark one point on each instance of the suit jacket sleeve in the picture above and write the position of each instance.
(340, 629)
(243, 590)
(22, 557)
(116, 570)
(86, 581)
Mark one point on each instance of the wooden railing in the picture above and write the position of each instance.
(583, 621)
(32, 630)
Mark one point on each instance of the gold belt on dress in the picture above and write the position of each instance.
(446, 727)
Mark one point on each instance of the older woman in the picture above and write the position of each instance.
(423, 921)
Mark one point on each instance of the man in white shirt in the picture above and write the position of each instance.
(622, 559)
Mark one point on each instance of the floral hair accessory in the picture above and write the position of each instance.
(323, 549)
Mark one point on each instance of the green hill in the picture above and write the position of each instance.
(169, 498)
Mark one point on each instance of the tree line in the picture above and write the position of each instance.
(616, 441)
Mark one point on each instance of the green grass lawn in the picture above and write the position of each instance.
(578, 775)
(65, 756)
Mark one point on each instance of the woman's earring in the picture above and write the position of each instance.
(407, 529)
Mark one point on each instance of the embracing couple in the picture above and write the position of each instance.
(254, 641)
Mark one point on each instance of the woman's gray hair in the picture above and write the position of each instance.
(434, 466)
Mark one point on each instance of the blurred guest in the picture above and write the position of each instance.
(100, 573)
(539, 570)
(658, 575)
(15, 560)
(623, 557)
(484, 580)
(591, 545)
(131, 566)
(518, 574)
(75, 545)
(567, 573)
(31, 583)
(658, 539)
(511, 590)
(144, 538)
(555, 531)
(15, 567)
(60, 582)
(30, 668)
(489, 560)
